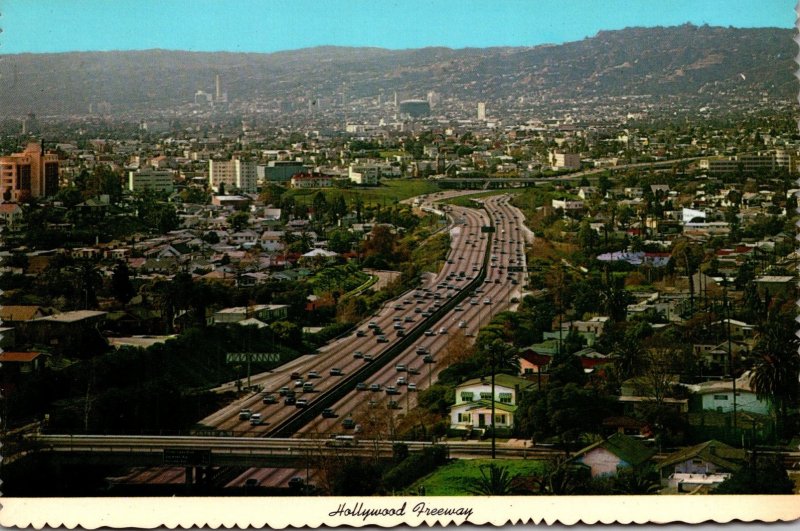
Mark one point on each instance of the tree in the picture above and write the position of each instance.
(89, 280)
(763, 476)
(775, 375)
(121, 285)
(494, 481)
(238, 221)
(458, 349)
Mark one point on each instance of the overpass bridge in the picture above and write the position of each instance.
(258, 452)
(483, 183)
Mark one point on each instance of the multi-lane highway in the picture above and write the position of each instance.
(500, 287)
(310, 377)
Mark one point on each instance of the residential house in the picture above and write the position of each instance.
(607, 457)
(473, 408)
(700, 467)
(10, 214)
(718, 396)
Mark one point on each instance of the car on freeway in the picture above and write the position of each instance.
(298, 383)
(269, 399)
(400, 367)
(358, 354)
(429, 332)
(428, 359)
(487, 300)
(401, 381)
(245, 413)
(301, 403)
(375, 387)
(413, 370)
(360, 333)
(382, 339)
(458, 308)
(392, 390)
(348, 423)
(401, 333)
(372, 324)
(409, 319)
(442, 330)
(308, 387)
(328, 413)
(314, 374)
(361, 386)
(289, 401)
(422, 350)
(411, 387)
(295, 375)
(368, 358)
(462, 324)
(336, 371)
(256, 420)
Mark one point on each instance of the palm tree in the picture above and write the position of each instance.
(498, 356)
(494, 481)
(775, 375)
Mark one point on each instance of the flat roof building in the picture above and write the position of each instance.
(32, 173)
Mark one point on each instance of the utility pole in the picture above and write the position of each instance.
(730, 349)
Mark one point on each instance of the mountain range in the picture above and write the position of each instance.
(701, 63)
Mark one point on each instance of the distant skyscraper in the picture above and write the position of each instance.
(481, 110)
(395, 99)
(32, 173)
(219, 95)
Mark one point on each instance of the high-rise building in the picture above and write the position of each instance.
(32, 173)
(481, 110)
(219, 96)
(155, 180)
(236, 173)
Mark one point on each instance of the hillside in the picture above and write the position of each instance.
(701, 62)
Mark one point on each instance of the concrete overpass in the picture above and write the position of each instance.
(512, 182)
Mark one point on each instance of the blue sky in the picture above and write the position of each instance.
(271, 25)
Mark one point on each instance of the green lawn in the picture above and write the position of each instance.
(388, 192)
(454, 479)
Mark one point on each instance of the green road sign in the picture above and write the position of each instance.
(186, 457)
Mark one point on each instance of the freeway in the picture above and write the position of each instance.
(342, 357)
(495, 295)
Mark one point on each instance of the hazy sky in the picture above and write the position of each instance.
(270, 25)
